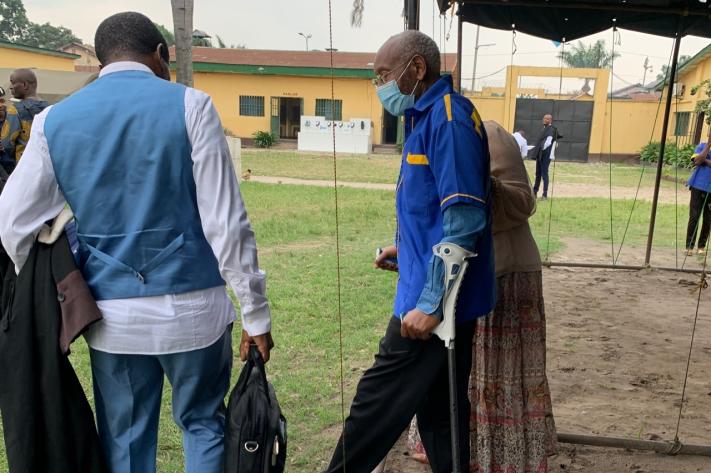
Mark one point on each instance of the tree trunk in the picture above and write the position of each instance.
(183, 27)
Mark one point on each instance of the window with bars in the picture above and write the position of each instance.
(331, 109)
(251, 106)
(682, 123)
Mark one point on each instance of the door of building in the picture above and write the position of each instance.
(290, 110)
(573, 118)
(274, 121)
(390, 124)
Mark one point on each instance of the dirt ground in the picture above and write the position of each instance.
(618, 343)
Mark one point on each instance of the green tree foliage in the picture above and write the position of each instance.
(679, 156)
(264, 139)
(662, 76)
(13, 20)
(167, 34)
(16, 27)
(220, 43)
(703, 105)
(595, 56)
(202, 42)
(48, 36)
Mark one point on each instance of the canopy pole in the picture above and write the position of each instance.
(622, 267)
(666, 448)
(665, 128)
(412, 14)
(458, 65)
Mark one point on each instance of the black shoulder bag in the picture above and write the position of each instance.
(255, 429)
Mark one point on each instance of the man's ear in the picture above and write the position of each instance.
(420, 67)
(161, 68)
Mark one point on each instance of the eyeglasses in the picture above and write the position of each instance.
(380, 78)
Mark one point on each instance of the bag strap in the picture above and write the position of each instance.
(258, 363)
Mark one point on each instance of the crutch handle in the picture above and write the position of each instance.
(456, 260)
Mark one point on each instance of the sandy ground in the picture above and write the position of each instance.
(561, 189)
(618, 342)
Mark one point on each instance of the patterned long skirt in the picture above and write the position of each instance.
(512, 426)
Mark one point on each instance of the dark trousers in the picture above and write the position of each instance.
(699, 204)
(408, 377)
(543, 162)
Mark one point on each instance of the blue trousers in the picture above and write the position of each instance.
(543, 162)
(127, 396)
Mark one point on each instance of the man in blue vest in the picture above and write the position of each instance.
(145, 167)
(442, 196)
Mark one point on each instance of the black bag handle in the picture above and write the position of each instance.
(255, 361)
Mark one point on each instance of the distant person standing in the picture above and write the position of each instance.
(23, 85)
(10, 130)
(520, 138)
(700, 203)
(542, 153)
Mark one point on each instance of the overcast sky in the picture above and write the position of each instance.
(275, 24)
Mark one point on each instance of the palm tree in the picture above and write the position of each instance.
(594, 56)
(183, 25)
(662, 76)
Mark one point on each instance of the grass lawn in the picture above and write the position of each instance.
(384, 169)
(379, 168)
(295, 230)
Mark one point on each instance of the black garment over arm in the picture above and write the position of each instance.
(47, 421)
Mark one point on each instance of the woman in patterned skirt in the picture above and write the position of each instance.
(512, 427)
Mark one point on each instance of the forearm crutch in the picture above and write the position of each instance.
(456, 260)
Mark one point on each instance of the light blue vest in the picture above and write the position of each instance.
(122, 158)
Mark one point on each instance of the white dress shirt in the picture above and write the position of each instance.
(159, 324)
(522, 144)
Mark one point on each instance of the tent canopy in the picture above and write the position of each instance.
(568, 20)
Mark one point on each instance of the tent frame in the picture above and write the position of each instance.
(412, 12)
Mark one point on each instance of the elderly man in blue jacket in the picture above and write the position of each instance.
(442, 196)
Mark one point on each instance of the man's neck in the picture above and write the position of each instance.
(426, 85)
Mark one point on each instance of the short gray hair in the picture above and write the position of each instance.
(412, 42)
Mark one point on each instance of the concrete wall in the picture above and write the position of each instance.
(632, 121)
(490, 108)
(18, 58)
(632, 124)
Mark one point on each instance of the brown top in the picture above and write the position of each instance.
(514, 202)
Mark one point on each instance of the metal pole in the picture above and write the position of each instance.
(665, 127)
(667, 448)
(413, 14)
(458, 66)
(476, 56)
(453, 408)
(553, 264)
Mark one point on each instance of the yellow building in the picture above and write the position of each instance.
(87, 60)
(687, 126)
(14, 56)
(263, 90)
